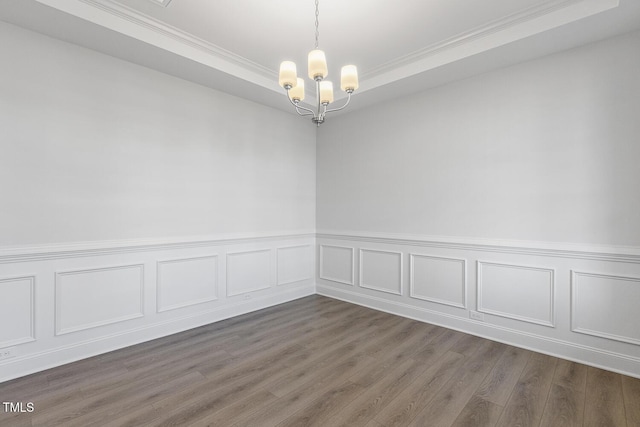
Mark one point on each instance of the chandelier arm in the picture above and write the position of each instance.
(299, 107)
(322, 112)
(340, 108)
(310, 112)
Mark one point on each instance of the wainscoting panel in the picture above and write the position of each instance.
(17, 310)
(295, 264)
(248, 271)
(71, 301)
(337, 264)
(438, 279)
(185, 282)
(96, 297)
(606, 306)
(381, 270)
(535, 295)
(516, 291)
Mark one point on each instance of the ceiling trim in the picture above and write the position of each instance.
(118, 17)
(115, 16)
(529, 22)
(580, 9)
(163, 3)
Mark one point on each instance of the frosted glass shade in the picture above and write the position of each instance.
(349, 78)
(317, 64)
(326, 92)
(296, 93)
(288, 74)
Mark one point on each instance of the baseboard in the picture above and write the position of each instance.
(591, 356)
(35, 362)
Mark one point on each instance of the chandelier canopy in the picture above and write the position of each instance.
(317, 66)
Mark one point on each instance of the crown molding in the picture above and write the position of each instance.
(115, 16)
(544, 16)
(163, 3)
(528, 22)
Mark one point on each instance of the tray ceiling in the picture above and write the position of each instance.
(399, 47)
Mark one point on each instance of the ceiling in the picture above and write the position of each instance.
(399, 46)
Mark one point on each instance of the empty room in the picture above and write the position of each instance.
(320, 213)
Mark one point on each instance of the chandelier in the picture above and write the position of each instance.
(324, 89)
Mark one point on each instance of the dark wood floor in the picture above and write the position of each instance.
(322, 362)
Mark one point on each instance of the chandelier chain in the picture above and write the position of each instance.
(317, 24)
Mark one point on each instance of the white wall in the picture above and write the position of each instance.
(511, 196)
(95, 148)
(135, 204)
(543, 151)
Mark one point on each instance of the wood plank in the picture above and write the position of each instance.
(238, 411)
(366, 406)
(109, 409)
(318, 411)
(571, 375)
(406, 406)
(112, 401)
(322, 382)
(498, 385)
(564, 408)
(389, 352)
(405, 335)
(148, 375)
(184, 407)
(431, 351)
(326, 362)
(631, 391)
(16, 419)
(25, 388)
(449, 402)
(604, 401)
(321, 361)
(467, 345)
(478, 412)
(526, 404)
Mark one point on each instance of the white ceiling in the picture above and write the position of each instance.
(399, 46)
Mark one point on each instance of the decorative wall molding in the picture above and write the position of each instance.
(250, 275)
(99, 299)
(521, 298)
(462, 303)
(210, 285)
(85, 249)
(396, 276)
(630, 254)
(321, 268)
(304, 271)
(516, 288)
(8, 319)
(605, 313)
(46, 358)
(26, 253)
(80, 302)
